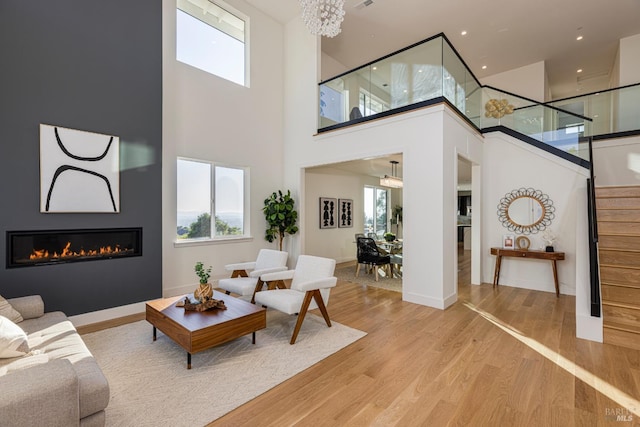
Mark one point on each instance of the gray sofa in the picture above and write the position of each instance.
(67, 388)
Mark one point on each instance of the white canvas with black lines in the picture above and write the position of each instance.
(79, 171)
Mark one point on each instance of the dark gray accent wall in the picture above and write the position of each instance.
(94, 66)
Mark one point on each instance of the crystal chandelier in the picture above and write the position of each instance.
(323, 17)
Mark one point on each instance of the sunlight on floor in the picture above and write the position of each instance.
(618, 396)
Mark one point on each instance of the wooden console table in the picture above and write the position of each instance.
(528, 254)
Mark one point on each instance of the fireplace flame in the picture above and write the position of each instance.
(67, 252)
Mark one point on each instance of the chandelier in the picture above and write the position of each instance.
(323, 17)
(392, 180)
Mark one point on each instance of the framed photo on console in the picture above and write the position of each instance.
(508, 241)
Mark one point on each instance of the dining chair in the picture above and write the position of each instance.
(370, 255)
(311, 283)
(243, 283)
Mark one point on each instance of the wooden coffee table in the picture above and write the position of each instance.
(196, 331)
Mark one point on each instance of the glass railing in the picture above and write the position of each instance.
(549, 125)
(612, 111)
(432, 71)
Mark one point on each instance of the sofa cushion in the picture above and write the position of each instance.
(13, 340)
(8, 311)
(28, 361)
(56, 336)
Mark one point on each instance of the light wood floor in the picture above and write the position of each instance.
(425, 367)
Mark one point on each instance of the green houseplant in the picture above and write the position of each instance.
(204, 290)
(280, 215)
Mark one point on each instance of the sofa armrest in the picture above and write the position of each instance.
(29, 307)
(43, 394)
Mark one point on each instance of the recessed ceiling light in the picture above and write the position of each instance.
(579, 38)
(463, 33)
(484, 67)
(579, 70)
(375, 68)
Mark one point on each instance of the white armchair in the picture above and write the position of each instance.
(311, 282)
(243, 283)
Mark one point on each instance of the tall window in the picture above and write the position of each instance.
(375, 210)
(211, 200)
(211, 38)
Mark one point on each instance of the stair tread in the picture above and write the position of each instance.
(629, 267)
(621, 326)
(620, 285)
(621, 305)
(618, 249)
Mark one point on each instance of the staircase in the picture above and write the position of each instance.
(618, 213)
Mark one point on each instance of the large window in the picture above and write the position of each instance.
(211, 200)
(211, 38)
(375, 210)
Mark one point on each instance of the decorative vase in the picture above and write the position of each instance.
(204, 291)
(549, 249)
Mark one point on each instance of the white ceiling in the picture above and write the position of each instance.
(501, 34)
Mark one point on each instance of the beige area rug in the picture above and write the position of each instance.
(347, 272)
(151, 386)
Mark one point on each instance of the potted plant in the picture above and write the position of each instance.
(280, 215)
(389, 237)
(204, 290)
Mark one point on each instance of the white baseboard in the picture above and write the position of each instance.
(589, 328)
(428, 301)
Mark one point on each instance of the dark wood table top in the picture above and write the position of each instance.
(530, 253)
(197, 320)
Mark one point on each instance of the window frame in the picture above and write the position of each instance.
(375, 189)
(246, 214)
(246, 38)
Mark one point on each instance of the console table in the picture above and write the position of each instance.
(527, 254)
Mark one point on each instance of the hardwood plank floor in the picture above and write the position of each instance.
(498, 357)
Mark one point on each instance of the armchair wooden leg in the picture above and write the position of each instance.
(376, 269)
(258, 288)
(323, 308)
(239, 273)
(357, 269)
(301, 314)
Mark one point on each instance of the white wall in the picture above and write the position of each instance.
(330, 67)
(617, 161)
(509, 164)
(210, 118)
(630, 60)
(529, 81)
(337, 243)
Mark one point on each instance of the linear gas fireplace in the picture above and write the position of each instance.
(32, 248)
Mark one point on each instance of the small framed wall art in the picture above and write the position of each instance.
(345, 213)
(328, 208)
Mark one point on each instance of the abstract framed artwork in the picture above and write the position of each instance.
(328, 212)
(345, 213)
(79, 171)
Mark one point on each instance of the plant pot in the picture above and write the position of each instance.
(548, 249)
(203, 291)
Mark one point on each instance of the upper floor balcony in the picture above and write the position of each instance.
(431, 72)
